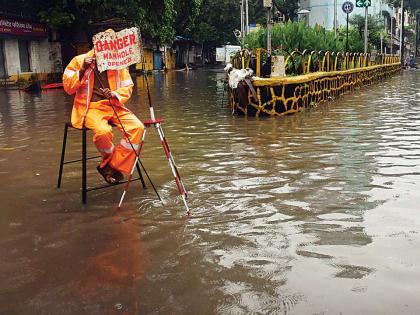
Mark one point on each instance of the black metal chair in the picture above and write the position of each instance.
(84, 159)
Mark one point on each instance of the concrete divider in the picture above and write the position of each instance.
(287, 95)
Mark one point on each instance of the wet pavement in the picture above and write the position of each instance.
(315, 213)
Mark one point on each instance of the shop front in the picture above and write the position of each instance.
(26, 51)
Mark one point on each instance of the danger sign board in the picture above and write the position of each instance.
(117, 50)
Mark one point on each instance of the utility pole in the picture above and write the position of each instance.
(402, 34)
(392, 32)
(347, 32)
(335, 18)
(385, 31)
(417, 33)
(366, 29)
(268, 4)
(242, 24)
(269, 30)
(347, 8)
(382, 40)
(246, 17)
(365, 4)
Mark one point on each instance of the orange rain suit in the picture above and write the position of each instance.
(98, 116)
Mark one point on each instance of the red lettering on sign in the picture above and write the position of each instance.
(120, 43)
(116, 51)
(98, 46)
(113, 44)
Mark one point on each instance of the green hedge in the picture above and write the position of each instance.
(296, 35)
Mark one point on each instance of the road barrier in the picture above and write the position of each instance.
(318, 77)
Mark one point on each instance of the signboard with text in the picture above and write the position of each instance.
(117, 50)
(10, 26)
(363, 3)
(220, 54)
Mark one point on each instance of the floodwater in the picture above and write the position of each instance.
(314, 213)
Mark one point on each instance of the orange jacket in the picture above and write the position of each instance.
(119, 81)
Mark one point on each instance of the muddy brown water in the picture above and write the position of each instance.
(315, 213)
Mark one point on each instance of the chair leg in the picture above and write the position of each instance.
(140, 175)
(63, 153)
(84, 165)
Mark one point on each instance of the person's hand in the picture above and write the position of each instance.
(86, 64)
(88, 61)
(107, 93)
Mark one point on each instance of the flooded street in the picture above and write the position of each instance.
(314, 213)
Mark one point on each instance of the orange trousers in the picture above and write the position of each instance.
(99, 119)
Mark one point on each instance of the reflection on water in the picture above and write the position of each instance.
(311, 213)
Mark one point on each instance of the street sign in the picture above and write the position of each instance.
(347, 7)
(363, 3)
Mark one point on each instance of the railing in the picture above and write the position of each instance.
(308, 61)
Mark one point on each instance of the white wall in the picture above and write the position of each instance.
(11, 56)
(45, 57)
(35, 56)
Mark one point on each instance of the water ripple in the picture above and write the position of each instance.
(289, 215)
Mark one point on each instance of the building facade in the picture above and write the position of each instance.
(321, 12)
(409, 35)
(26, 51)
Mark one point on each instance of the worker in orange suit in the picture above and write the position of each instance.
(92, 109)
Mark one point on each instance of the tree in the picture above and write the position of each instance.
(216, 22)
(287, 7)
(375, 28)
(411, 5)
(154, 17)
(207, 21)
(187, 12)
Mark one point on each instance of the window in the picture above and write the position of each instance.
(25, 65)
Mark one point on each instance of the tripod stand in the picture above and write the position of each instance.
(157, 123)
